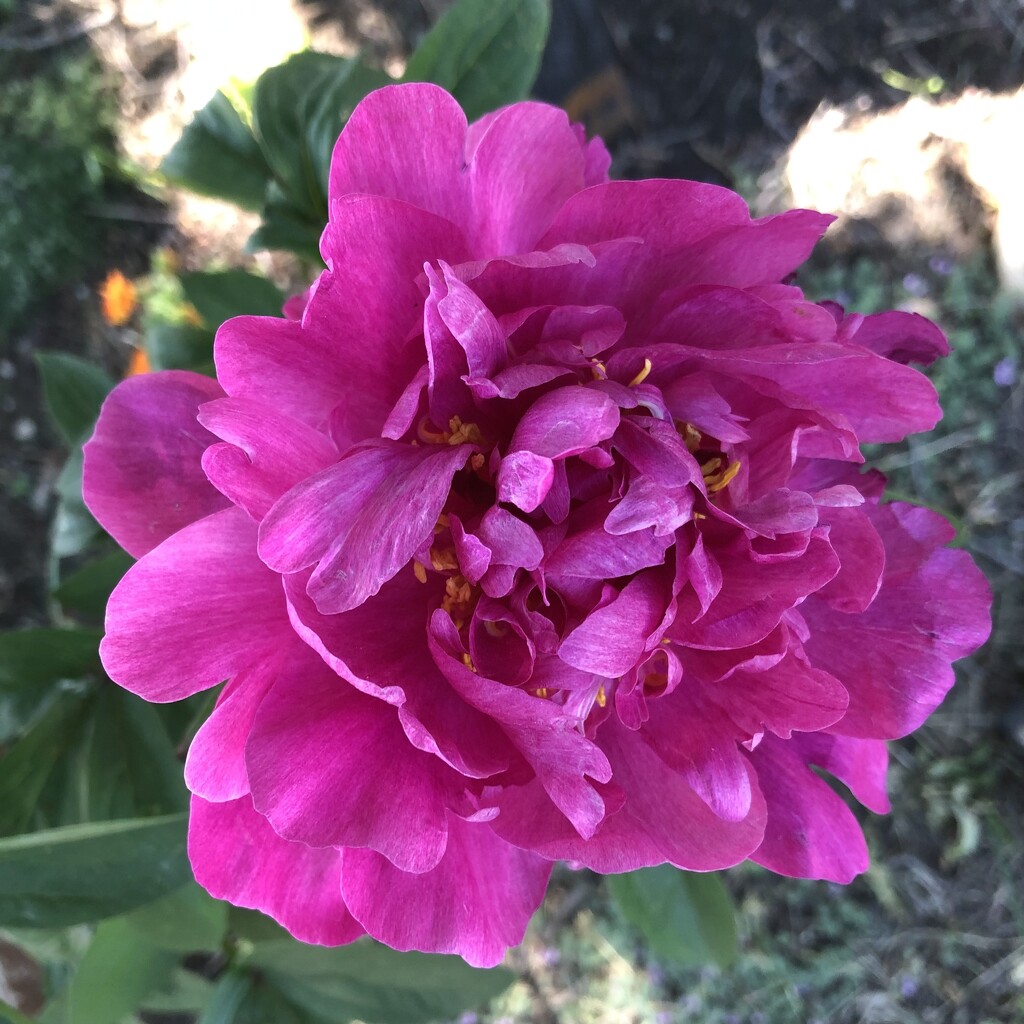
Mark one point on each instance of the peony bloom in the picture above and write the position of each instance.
(535, 532)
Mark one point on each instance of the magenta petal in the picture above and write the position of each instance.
(524, 479)
(861, 764)
(194, 611)
(266, 452)
(477, 902)
(143, 478)
(525, 166)
(237, 856)
(610, 640)
(385, 150)
(215, 766)
(361, 519)
(810, 832)
(895, 658)
(566, 422)
(662, 818)
(358, 781)
(904, 337)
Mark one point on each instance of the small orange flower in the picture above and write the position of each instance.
(139, 363)
(119, 298)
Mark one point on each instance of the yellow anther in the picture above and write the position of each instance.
(692, 436)
(442, 524)
(468, 662)
(598, 370)
(463, 433)
(419, 570)
(724, 478)
(459, 599)
(428, 436)
(710, 468)
(543, 693)
(476, 462)
(443, 559)
(602, 697)
(641, 376)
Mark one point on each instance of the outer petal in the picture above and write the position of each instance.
(662, 818)
(526, 165)
(810, 832)
(407, 142)
(215, 767)
(194, 611)
(143, 479)
(330, 766)
(895, 658)
(237, 856)
(477, 902)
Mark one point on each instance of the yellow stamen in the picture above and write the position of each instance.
(442, 524)
(419, 571)
(641, 376)
(463, 433)
(476, 462)
(443, 559)
(543, 693)
(709, 468)
(598, 370)
(459, 599)
(725, 477)
(429, 436)
(602, 697)
(692, 436)
(468, 662)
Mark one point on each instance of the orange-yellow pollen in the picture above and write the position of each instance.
(419, 571)
(443, 559)
(642, 375)
(459, 598)
(720, 480)
(463, 433)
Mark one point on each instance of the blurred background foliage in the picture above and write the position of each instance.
(101, 159)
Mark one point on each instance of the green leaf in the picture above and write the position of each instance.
(375, 983)
(9, 1015)
(486, 54)
(74, 390)
(36, 658)
(64, 876)
(173, 346)
(86, 590)
(299, 108)
(283, 228)
(220, 295)
(241, 998)
(30, 763)
(120, 968)
(183, 921)
(130, 768)
(218, 156)
(684, 916)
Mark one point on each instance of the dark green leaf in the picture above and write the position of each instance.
(486, 54)
(40, 657)
(375, 983)
(130, 768)
(218, 156)
(29, 764)
(283, 228)
(184, 921)
(220, 295)
(77, 873)
(684, 916)
(74, 391)
(299, 108)
(120, 968)
(241, 998)
(178, 346)
(86, 590)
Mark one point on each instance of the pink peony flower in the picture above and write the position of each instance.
(536, 534)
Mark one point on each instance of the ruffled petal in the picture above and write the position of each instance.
(237, 856)
(143, 478)
(330, 766)
(477, 902)
(194, 611)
